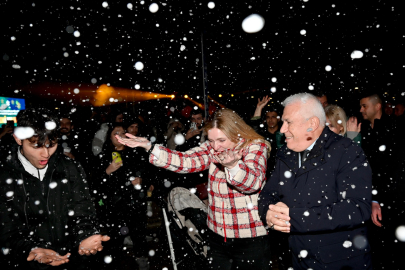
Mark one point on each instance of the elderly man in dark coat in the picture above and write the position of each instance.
(320, 191)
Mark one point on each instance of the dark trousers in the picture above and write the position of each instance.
(238, 253)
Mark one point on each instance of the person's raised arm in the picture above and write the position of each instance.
(194, 160)
(260, 105)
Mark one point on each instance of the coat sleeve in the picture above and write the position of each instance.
(15, 237)
(353, 205)
(196, 159)
(82, 218)
(252, 173)
(269, 194)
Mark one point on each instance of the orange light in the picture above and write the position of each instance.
(232, 95)
(220, 95)
(172, 96)
(185, 96)
(155, 95)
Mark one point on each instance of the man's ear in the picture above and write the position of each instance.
(18, 141)
(315, 123)
(378, 106)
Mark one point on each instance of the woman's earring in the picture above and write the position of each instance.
(309, 129)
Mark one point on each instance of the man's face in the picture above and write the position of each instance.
(368, 109)
(323, 100)
(399, 109)
(271, 119)
(295, 128)
(65, 126)
(133, 129)
(198, 119)
(388, 109)
(37, 156)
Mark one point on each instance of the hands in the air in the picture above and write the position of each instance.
(229, 158)
(47, 256)
(262, 102)
(351, 125)
(92, 244)
(278, 217)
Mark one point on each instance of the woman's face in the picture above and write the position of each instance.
(133, 129)
(117, 131)
(338, 129)
(119, 118)
(219, 141)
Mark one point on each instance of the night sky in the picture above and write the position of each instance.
(40, 50)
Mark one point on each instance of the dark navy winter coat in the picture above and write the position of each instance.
(329, 198)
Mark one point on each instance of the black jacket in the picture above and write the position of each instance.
(329, 200)
(115, 193)
(276, 140)
(383, 146)
(58, 220)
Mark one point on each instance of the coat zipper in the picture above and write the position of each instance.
(26, 200)
(47, 206)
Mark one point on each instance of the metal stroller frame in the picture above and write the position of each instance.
(179, 199)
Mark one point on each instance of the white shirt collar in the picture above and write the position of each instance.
(309, 149)
(31, 169)
(312, 145)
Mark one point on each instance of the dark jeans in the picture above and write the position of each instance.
(238, 253)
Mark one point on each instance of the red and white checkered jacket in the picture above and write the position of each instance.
(233, 207)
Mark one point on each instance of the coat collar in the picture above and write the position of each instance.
(13, 161)
(315, 157)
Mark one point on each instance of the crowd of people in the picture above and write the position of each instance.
(306, 184)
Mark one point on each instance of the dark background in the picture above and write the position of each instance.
(114, 38)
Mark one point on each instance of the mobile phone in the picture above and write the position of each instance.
(10, 123)
(116, 157)
(193, 126)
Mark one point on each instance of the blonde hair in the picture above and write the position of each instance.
(233, 126)
(334, 113)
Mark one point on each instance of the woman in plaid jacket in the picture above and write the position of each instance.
(236, 157)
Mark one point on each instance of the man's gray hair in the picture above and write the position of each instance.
(310, 106)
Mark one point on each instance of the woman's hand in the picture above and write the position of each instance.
(133, 141)
(113, 167)
(352, 125)
(229, 158)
